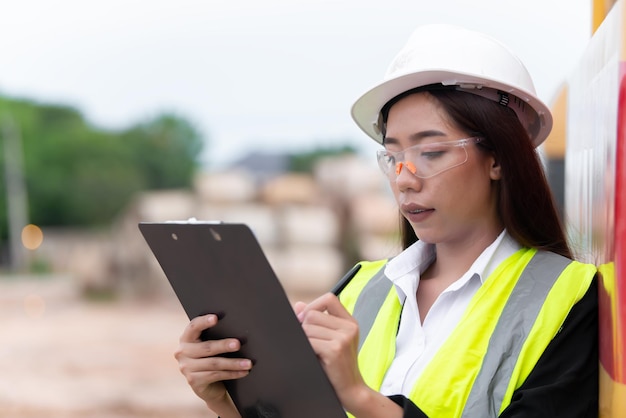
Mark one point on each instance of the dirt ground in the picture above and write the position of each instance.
(62, 356)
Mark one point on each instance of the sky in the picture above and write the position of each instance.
(254, 75)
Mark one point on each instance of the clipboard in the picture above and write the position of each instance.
(220, 268)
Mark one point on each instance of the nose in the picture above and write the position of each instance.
(406, 178)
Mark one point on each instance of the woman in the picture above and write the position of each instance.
(484, 313)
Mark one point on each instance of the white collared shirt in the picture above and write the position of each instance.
(417, 343)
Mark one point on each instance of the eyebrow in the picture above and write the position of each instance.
(416, 137)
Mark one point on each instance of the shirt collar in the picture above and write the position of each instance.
(419, 256)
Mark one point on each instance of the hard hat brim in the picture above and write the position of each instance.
(366, 109)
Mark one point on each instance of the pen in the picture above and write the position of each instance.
(345, 280)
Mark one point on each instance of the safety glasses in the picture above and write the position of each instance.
(425, 160)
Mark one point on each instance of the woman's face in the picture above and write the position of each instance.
(455, 206)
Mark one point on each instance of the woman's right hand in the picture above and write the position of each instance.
(204, 368)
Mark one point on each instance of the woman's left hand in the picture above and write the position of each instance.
(334, 336)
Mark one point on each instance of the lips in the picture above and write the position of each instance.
(414, 209)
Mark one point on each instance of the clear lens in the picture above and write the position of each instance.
(425, 160)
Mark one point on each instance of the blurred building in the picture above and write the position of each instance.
(313, 227)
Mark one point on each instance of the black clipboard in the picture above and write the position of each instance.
(220, 268)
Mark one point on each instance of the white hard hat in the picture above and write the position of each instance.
(455, 56)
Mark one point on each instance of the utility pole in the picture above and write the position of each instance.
(17, 201)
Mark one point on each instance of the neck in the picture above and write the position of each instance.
(455, 258)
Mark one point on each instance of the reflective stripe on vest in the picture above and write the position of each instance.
(505, 329)
(520, 312)
(366, 308)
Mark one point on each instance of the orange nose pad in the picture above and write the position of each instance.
(409, 165)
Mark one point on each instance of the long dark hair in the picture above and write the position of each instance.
(526, 205)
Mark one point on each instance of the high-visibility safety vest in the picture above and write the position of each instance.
(506, 327)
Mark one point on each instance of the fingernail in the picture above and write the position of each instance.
(232, 345)
(245, 363)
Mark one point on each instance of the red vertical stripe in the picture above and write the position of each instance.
(619, 327)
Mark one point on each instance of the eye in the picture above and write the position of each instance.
(386, 161)
(431, 155)
(389, 159)
(431, 152)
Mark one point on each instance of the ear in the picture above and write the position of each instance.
(495, 171)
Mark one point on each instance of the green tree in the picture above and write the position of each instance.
(166, 150)
(77, 174)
